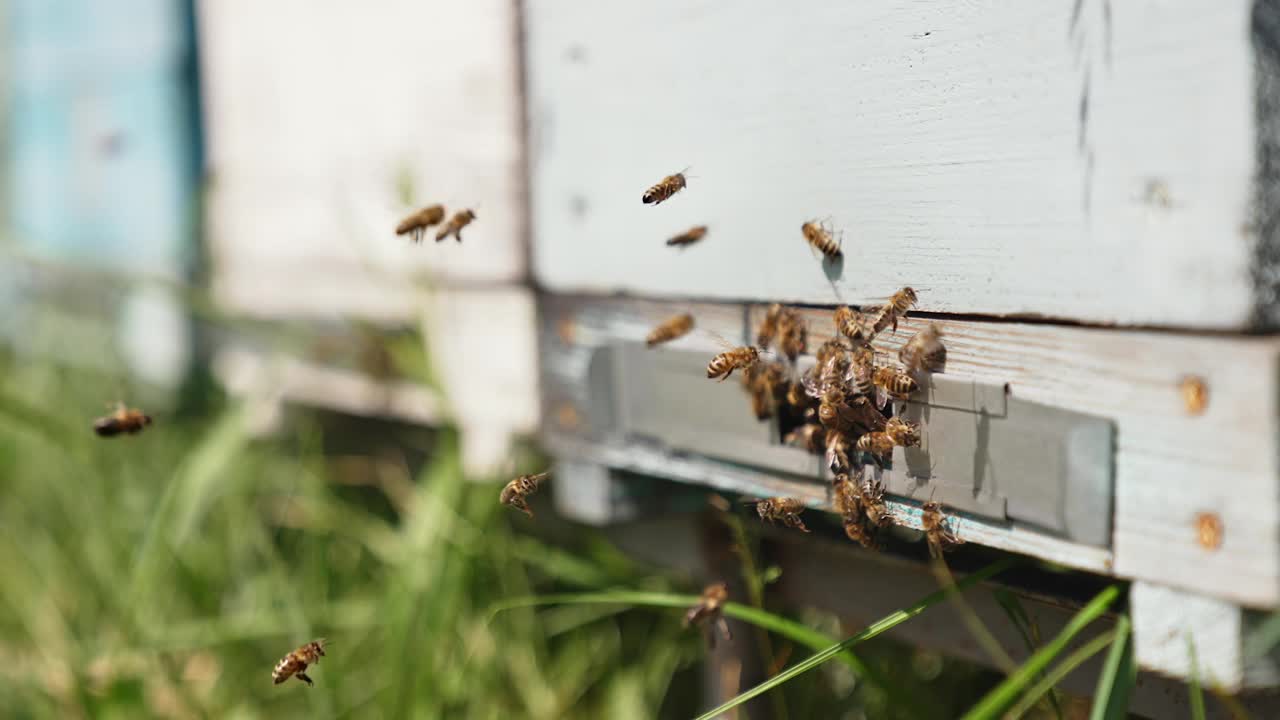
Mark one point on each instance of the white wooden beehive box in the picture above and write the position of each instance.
(1085, 198)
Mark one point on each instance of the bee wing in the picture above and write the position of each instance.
(882, 397)
(720, 340)
(813, 387)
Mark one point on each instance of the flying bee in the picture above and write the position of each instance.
(892, 383)
(924, 351)
(876, 443)
(937, 530)
(808, 437)
(889, 313)
(769, 326)
(123, 419)
(417, 223)
(738, 358)
(688, 237)
(460, 219)
(766, 384)
(793, 334)
(851, 324)
(782, 510)
(296, 662)
(670, 329)
(666, 187)
(515, 492)
(708, 612)
(819, 238)
(838, 452)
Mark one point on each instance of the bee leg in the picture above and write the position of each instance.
(523, 507)
(303, 677)
(723, 626)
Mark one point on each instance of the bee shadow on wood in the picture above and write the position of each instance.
(833, 268)
(919, 461)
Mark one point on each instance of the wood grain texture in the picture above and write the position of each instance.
(1090, 160)
(1170, 466)
(317, 113)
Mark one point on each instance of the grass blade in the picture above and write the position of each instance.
(1053, 677)
(763, 619)
(1006, 692)
(1029, 631)
(1119, 675)
(888, 622)
(1197, 697)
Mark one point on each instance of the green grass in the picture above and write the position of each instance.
(163, 575)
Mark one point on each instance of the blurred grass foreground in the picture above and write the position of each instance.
(163, 575)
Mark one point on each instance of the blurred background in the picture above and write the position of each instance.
(196, 219)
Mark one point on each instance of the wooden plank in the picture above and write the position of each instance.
(482, 345)
(315, 132)
(1169, 625)
(1178, 476)
(1091, 160)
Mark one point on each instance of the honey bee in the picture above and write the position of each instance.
(708, 612)
(892, 311)
(841, 413)
(838, 452)
(793, 334)
(892, 383)
(851, 324)
(848, 502)
(903, 432)
(123, 420)
(688, 237)
(739, 358)
(782, 510)
(418, 222)
(460, 219)
(924, 351)
(808, 436)
(517, 490)
(796, 396)
(769, 326)
(765, 382)
(819, 237)
(862, 373)
(296, 662)
(670, 329)
(666, 187)
(831, 371)
(876, 443)
(937, 530)
(845, 496)
(872, 496)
